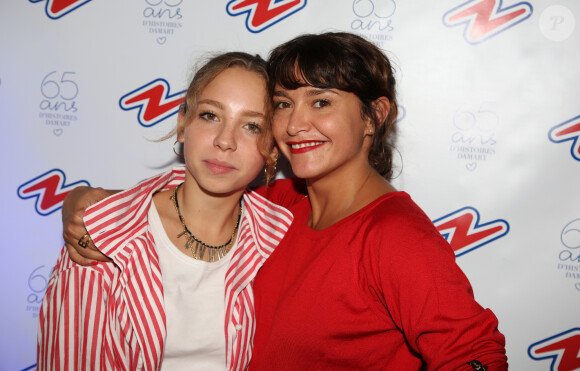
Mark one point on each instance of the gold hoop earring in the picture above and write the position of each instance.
(174, 151)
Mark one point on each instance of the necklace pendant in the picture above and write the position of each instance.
(188, 243)
(194, 252)
(214, 253)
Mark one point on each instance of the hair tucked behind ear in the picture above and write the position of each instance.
(346, 62)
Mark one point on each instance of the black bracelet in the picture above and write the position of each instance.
(477, 366)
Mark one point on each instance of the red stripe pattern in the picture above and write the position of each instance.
(111, 316)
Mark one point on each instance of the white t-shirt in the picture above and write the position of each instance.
(194, 293)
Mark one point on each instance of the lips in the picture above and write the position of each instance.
(304, 146)
(219, 167)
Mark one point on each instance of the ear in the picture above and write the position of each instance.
(274, 152)
(180, 126)
(382, 106)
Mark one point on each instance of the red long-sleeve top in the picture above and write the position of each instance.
(379, 290)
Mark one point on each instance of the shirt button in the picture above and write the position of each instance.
(238, 327)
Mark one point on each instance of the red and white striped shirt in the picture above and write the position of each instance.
(111, 316)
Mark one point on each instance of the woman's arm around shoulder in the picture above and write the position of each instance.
(73, 230)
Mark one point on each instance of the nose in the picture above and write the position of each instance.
(298, 120)
(225, 139)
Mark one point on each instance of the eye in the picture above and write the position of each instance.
(253, 127)
(208, 115)
(281, 105)
(319, 103)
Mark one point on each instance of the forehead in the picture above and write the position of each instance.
(236, 81)
(237, 74)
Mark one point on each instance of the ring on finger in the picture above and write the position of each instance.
(84, 240)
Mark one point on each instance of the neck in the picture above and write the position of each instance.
(335, 196)
(210, 218)
(203, 211)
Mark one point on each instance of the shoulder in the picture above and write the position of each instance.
(260, 207)
(266, 221)
(126, 200)
(115, 222)
(399, 227)
(284, 192)
(396, 210)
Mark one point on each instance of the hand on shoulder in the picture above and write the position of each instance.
(73, 209)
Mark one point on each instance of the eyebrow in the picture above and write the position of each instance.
(312, 92)
(217, 104)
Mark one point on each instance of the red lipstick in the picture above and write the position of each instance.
(304, 146)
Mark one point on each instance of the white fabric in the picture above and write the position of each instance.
(194, 304)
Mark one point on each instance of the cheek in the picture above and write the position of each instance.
(253, 161)
(278, 127)
(191, 138)
(249, 148)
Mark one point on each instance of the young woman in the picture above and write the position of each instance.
(362, 280)
(184, 246)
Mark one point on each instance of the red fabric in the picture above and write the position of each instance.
(378, 290)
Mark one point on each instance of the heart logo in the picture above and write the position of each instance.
(161, 40)
(57, 132)
(471, 166)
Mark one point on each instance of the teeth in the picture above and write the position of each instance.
(304, 145)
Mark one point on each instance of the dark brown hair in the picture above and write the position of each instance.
(346, 62)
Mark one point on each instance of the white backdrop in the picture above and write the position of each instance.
(488, 139)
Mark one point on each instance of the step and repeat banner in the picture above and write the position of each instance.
(488, 139)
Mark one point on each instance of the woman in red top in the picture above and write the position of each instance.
(362, 279)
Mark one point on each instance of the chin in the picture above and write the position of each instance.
(307, 173)
(218, 189)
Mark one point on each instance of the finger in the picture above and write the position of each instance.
(88, 252)
(73, 234)
(76, 257)
(87, 255)
(87, 249)
(92, 253)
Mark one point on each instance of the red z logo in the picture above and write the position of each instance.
(57, 8)
(564, 349)
(569, 130)
(462, 230)
(264, 13)
(49, 190)
(486, 18)
(153, 101)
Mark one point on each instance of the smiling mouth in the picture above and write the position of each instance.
(304, 145)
